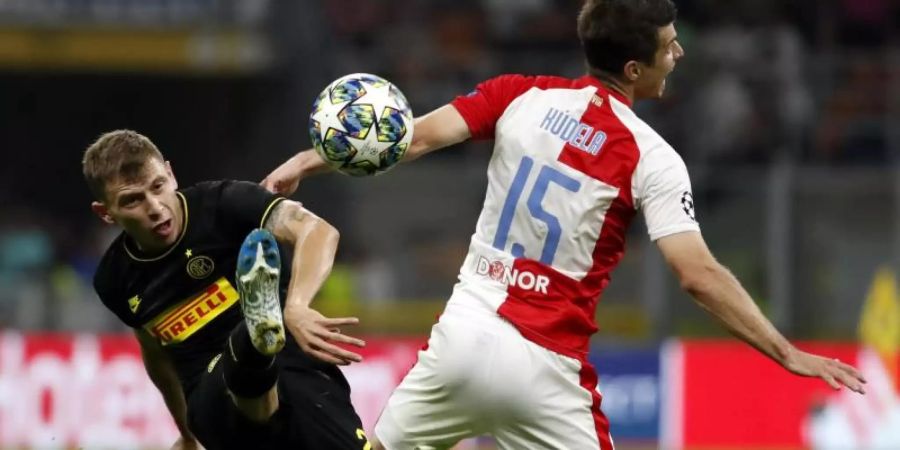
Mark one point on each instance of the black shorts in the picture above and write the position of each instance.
(314, 413)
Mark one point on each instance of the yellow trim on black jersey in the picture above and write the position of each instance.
(265, 216)
(184, 208)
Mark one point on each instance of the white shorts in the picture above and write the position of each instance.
(479, 376)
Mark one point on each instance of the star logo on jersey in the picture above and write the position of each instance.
(188, 253)
(687, 204)
(199, 267)
(133, 303)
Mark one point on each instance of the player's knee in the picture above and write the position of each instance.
(259, 409)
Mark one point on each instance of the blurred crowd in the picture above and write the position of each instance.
(806, 81)
(812, 78)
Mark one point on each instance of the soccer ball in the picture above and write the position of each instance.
(361, 124)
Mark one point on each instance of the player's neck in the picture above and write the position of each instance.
(615, 84)
(148, 250)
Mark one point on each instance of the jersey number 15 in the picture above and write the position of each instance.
(546, 176)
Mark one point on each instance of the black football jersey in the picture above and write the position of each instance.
(187, 297)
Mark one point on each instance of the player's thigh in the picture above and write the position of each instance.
(572, 434)
(314, 412)
(561, 408)
(321, 414)
(429, 409)
(215, 420)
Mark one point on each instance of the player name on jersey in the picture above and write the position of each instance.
(181, 321)
(578, 134)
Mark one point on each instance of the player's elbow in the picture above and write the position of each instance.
(333, 234)
(701, 279)
(326, 232)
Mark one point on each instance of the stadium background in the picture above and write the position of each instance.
(786, 113)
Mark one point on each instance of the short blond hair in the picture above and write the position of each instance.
(116, 154)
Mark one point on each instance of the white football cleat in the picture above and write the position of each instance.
(258, 272)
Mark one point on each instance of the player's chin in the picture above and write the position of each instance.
(169, 240)
(154, 241)
(662, 89)
(164, 239)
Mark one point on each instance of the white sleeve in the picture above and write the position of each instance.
(662, 189)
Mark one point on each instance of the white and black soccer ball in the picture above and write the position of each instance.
(361, 124)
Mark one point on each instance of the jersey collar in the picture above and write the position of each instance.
(587, 79)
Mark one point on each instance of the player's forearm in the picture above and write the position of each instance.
(437, 129)
(162, 373)
(313, 259)
(308, 162)
(719, 293)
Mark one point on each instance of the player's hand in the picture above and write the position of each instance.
(833, 371)
(317, 335)
(187, 443)
(284, 179)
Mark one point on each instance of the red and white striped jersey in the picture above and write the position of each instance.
(572, 164)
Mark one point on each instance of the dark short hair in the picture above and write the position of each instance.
(116, 154)
(613, 32)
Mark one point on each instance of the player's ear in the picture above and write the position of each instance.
(102, 212)
(171, 174)
(632, 70)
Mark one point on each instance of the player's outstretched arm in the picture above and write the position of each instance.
(438, 129)
(315, 243)
(162, 373)
(718, 292)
